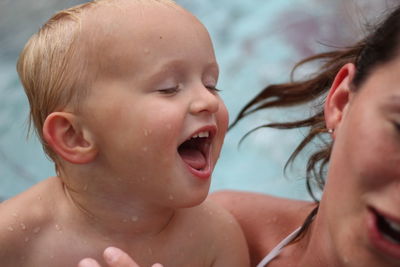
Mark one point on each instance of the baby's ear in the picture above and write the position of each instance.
(339, 96)
(64, 133)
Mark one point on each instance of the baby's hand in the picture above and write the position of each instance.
(114, 257)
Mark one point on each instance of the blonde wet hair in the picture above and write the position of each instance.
(54, 67)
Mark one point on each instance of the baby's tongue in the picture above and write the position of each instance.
(193, 157)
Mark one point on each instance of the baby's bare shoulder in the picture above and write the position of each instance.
(264, 219)
(22, 218)
(222, 233)
(208, 216)
(34, 204)
(218, 220)
(208, 223)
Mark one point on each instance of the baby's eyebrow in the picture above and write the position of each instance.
(169, 66)
(178, 66)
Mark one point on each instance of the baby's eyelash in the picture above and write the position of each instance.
(213, 88)
(172, 90)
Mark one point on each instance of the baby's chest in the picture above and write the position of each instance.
(60, 249)
(193, 250)
(176, 257)
(67, 249)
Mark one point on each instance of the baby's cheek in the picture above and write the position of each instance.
(161, 140)
(223, 117)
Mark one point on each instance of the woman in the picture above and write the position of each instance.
(357, 220)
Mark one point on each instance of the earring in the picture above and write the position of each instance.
(330, 131)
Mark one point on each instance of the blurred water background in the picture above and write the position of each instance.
(257, 42)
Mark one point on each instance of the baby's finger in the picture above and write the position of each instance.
(117, 258)
(88, 263)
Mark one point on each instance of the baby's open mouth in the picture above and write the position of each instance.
(389, 229)
(195, 151)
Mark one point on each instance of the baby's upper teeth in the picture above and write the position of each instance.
(201, 134)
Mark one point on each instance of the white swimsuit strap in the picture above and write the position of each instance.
(276, 250)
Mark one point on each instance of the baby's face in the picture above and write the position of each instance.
(157, 119)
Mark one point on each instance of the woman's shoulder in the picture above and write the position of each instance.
(258, 204)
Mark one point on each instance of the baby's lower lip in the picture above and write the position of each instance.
(378, 239)
(203, 174)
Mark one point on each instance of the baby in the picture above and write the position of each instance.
(123, 97)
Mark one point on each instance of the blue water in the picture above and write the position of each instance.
(256, 43)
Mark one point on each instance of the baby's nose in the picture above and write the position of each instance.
(205, 101)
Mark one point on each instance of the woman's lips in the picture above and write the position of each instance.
(383, 234)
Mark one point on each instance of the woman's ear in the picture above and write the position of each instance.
(65, 135)
(339, 96)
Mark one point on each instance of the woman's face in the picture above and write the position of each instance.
(361, 202)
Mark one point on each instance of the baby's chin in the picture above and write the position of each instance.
(189, 200)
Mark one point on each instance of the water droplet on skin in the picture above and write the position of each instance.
(23, 226)
(171, 197)
(150, 251)
(58, 228)
(10, 228)
(191, 234)
(26, 239)
(125, 220)
(36, 230)
(145, 149)
(15, 215)
(85, 188)
(134, 218)
(146, 51)
(39, 197)
(147, 132)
